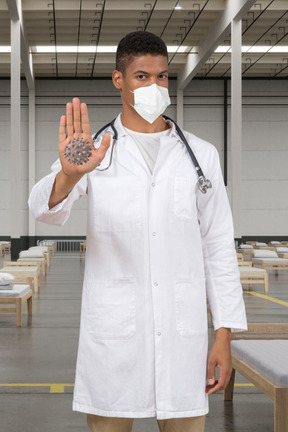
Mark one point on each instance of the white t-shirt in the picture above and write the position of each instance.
(148, 144)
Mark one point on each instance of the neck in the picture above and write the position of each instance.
(133, 121)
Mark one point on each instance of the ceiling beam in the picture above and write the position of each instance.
(15, 12)
(234, 10)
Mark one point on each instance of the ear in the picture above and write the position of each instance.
(117, 78)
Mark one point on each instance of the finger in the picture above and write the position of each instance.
(69, 119)
(76, 115)
(105, 143)
(85, 119)
(211, 373)
(62, 129)
(213, 388)
(220, 384)
(224, 378)
(216, 388)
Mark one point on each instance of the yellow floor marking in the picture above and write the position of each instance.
(54, 387)
(59, 387)
(265, 297)
(244, 385)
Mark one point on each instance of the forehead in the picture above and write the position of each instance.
(148, 63)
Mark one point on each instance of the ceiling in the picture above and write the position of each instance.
(101, 23)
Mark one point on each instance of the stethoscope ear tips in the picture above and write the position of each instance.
(204, 184)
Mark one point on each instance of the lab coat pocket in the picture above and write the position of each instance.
(191, 307)
(111, 309)
(185, 199)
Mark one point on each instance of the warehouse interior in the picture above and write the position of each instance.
(228, 70)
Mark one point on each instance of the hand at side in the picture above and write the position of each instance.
(219, 356)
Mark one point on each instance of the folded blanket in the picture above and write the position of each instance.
(6, 287)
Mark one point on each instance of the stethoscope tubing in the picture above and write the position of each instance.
(202, 183)
(191, 154)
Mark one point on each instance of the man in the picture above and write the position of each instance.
(156, 246)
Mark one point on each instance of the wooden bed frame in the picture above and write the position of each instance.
(279, 395)
(34, 275)
(17, 302)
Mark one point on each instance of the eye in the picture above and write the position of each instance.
(163, 76)
(141, 76)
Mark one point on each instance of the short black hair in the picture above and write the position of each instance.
(137, 44)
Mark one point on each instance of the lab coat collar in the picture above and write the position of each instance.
(122, 133)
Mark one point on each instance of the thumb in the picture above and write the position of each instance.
(105, 143)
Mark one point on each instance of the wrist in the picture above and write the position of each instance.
(69, 178)
(66, 182)
(62, 186)
(223, 333)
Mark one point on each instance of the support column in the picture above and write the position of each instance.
(236, 125)
(180, 108)
(225, 131)
(15, 137)
(31, 161)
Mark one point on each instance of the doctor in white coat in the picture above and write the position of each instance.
(156, 249)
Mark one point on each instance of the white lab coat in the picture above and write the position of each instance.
(156, 246)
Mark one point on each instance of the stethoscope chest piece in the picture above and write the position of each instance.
(204, 184)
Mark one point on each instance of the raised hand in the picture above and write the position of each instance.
(76, 150)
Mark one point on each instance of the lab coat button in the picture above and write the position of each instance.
(153, 184)
(154, 233)
(159, 333)
(156, 283)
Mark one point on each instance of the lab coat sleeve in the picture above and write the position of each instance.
(224, 290)
(40, 194)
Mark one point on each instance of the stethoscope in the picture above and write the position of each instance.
(203, 183)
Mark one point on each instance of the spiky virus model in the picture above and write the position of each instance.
(78, 151)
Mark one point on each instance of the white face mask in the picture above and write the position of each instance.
(151, 101)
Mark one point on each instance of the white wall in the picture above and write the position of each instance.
(265, 147)
(265, 158)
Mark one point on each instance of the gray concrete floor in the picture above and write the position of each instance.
(44, 351)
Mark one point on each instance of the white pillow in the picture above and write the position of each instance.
(264, 254)
(282, 249)
(246, 246)
(31, 254)
(4, 242)
(275, 242)
(6, 278)
(261, 244)
(40, 248)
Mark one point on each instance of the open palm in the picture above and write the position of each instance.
(75, 128)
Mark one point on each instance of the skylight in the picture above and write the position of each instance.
(91, 49)
(257, 49)
(101, 49)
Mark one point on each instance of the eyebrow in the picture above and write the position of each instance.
(147, 73)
